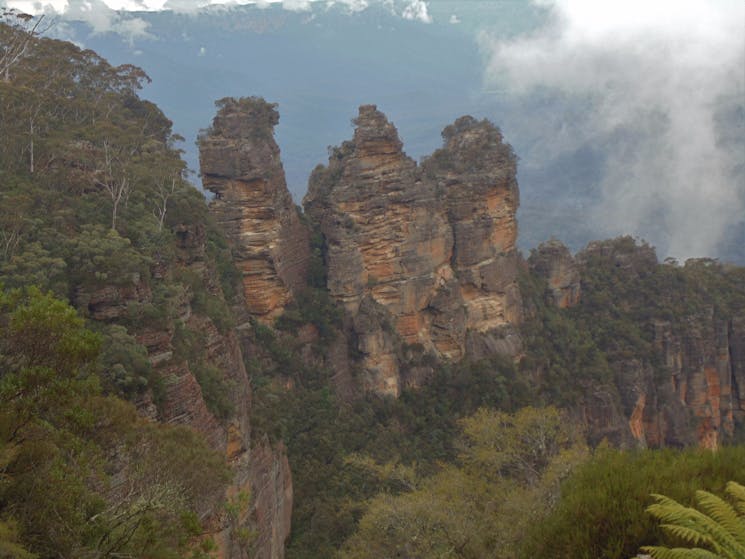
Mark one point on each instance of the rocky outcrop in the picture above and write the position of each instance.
(705, 364)
(427, 252)
(682, 383)
(241, 165)
(699, 400)
(476, 172)
(111, 302)
(553, 262)
(271, 499)
(179, 346)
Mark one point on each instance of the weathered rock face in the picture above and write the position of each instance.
(427, 251)
(553, 262)
(241, 165)
(687, 389)
(699, 400)
(183, 402)
(706, 372)
(271, 499)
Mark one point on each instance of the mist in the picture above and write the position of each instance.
(657, 91)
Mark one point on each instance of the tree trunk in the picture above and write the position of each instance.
(31, 146)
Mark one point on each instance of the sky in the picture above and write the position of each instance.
(661, 75)
(628, 116)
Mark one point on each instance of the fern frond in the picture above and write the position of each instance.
(679, 553)
(724, 514)
(737, 492)
(693, 535)
(695, 527)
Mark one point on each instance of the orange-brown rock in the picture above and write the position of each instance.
(705, 373)
(688, 387)
(427, 252)
(241, 165)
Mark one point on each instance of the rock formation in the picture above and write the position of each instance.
(688, 388)
(184, 402)
(553, 262)
(427, 252)
(241, 165)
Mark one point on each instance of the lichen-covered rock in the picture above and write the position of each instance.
(433, 247)
(241, 165)
(553, 262)
(111, 302)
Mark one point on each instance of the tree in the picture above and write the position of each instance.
(115, 182)
(16, 34)
(122, 486)
(718, 525)
(508, 475)
(602, 508)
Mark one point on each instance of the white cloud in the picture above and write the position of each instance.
(132, 28)
(296, 5)
(37, 6)
(353, 6)
(417, 10)
(110, 15)
(654, 77)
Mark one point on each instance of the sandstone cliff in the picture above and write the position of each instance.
(241, 165)
(425, 252)
(683, 384)
(180, 344)
(553, 262)
(184, 401)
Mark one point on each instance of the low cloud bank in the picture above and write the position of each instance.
(662, 85)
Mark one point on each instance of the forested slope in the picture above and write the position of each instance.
(135, 422)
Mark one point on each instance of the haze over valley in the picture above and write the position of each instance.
(627, 118)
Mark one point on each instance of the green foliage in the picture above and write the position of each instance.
(34, 265)
(508, 471)
(125, 367)
(563, 352)
(316, 265)
(228, 274)
(9, 545)
(58, 431)
(333, 444)
(312, 306)
(189, 346)
(99, 256)
(215, 390)
(626, 296)
(602, 508)
(718, 525)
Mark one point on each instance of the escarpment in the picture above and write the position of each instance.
(422, 258)
(200, 362)
(431, 247)
(241, 165)
(674, 338)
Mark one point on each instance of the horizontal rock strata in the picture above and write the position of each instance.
(427, 251)
(241, 165)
